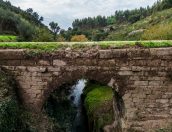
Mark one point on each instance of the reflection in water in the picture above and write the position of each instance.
(80, 123)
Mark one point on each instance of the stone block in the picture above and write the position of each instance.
(139, 68)
(155, 83)
(28, 63)
(33, 69)
(122, 53)
(54, 69)
(125, 73)
(12, 54)
(125, 69)
(171, 111)
(105, 54)
(141, 83)
(162, 101)
(44, 63)
(59, 63)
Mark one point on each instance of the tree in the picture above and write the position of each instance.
(41, 19)
(54, 28)
(29, 10)
(42, 35)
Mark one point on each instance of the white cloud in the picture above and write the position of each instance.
(65, 11)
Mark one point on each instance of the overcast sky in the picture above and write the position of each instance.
(65, 11)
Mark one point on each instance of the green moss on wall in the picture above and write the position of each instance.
(99, 106)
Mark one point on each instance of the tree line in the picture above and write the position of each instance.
(127, 16)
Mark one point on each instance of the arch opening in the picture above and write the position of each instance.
(85, 105)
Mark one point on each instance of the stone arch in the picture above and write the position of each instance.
(109, 78)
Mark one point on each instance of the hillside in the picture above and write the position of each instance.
(157, 26)
(144, 23)
(26, 25)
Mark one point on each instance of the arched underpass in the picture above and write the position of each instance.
(86, 106)
(142, 77)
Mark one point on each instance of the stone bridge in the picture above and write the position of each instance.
(142, 76)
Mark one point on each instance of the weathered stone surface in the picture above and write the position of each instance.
(141, 76)
(12, 54)
(59, 63)
(44, 63)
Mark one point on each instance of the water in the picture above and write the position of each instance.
(80, 121)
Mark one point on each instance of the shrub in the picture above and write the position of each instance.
(43, 35)
(79, 38)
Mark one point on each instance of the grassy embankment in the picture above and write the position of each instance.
(98, 101)
(8, 38)
(51, 46)
(158, 26)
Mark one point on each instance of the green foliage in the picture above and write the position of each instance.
(43, 35)
(8, 38)
(98, 102)
(11, 22)
(9, 115)
(99, 35)
(96, 95)
(26, 31)
(60, 109)
(159, 32)
(28, 15)
(40, 47)
(23, 24)
(13, 117)
(145, 29)
(10, 112)
(122, 23)
(33, 45)
(54, 28)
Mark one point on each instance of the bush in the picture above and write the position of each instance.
(11, 114)
(26, 30)
(43, 35)
(79, 38)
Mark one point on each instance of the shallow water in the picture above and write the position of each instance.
(80, 121)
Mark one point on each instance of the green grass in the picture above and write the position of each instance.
(122, 31)
(8, 38)
(96, 96)
(99, 105)
(52, 46)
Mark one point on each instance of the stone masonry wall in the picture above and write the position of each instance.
(143, 77)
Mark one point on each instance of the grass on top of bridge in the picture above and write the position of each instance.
(51, 46)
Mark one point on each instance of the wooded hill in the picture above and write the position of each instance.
(27, 25)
